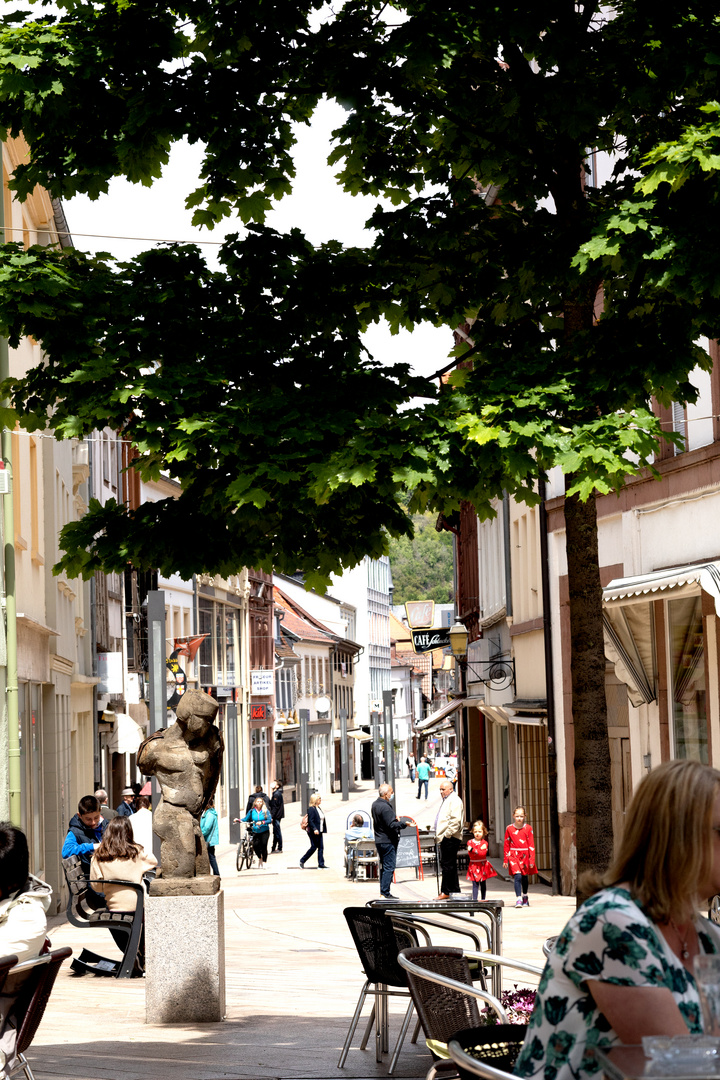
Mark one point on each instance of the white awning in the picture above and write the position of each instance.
(361, 736)
(439, 715)
(705, 576)
(126, 735)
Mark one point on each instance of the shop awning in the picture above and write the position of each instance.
(435, 719)
(629, 624)
(532, 711)
(704, 575)
(126, 735)
(360, 735)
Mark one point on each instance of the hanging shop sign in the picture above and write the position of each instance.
(426, 640)
(261, 682)
(420, 614)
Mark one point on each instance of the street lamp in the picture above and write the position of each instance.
(499, 674)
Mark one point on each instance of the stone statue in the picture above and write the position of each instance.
(186, 758)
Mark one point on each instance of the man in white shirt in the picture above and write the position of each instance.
(141, 823)
(448, 834)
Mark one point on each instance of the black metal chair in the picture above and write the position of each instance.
(489, 1052)
(24, 995)
(378, 943)
(126, 928)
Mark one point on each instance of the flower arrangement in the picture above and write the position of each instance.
(518, 1005)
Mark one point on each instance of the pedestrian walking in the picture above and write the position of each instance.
(410, 762)
(317, 826)
(479, 866)
(259, 819)
(209, 829)
(386, 827)
(519, 855)
(423, 775)
(277, 813)
(448, 834)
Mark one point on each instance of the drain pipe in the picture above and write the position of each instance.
(550, 696)
(11, 686)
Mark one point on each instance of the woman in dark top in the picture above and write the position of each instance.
(277, 813)
(316, 828)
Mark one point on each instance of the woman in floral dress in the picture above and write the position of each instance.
(519, 855)
(622, 967)
(479, 867)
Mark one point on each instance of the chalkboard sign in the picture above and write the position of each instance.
(408, 852)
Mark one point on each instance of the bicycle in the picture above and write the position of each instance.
(245, 852)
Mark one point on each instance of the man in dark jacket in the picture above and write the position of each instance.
(257, 794)
(277, 813)
(126, 808)
(84, 832)
(386, 828)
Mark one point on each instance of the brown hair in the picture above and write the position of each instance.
(482, 826)
(666, 850)
(142, 803)
(117, 842)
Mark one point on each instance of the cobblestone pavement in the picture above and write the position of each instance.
(293, 975)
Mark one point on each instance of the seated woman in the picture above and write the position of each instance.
(118, 857)
(24, 899)
(622, 967)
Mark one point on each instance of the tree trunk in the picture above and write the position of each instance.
(593, 786)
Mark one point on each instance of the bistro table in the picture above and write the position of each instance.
(624, 1062)
(459, 906)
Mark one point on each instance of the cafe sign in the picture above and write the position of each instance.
(426, 640)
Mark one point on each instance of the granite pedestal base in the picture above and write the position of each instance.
(184, 959)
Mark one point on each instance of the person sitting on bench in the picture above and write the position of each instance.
(120, 858)
(85, 832)
(24, 899)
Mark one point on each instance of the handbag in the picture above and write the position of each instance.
(304, 823)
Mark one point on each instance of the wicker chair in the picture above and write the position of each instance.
(446, 1001)
(29, 986)
(378, 943)
(489, 1052)
(441, 987)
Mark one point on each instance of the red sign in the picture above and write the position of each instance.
(258, 712)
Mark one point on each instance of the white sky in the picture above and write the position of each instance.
(317, 206)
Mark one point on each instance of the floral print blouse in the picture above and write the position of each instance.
(611, 939)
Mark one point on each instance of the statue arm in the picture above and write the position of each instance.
(147, 753)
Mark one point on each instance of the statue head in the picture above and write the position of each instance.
(196, 712)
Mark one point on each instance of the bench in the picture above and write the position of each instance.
(126, 928)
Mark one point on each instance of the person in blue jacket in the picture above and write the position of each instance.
(85, 832)
(259, 818)
(315, 829)
(126, 809)
(209, 829)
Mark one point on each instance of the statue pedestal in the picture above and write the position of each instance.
(185, 959)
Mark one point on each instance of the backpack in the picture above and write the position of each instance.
(304, 823)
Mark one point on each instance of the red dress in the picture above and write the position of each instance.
(479, 869)
(519, 852)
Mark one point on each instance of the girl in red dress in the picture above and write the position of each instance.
(519, 854)
(479, 869)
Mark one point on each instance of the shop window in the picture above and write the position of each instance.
(689, 711)
(205, 653)
(258, 752)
